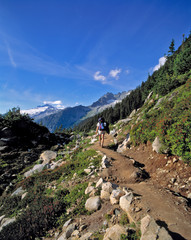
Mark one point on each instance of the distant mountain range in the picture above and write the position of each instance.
(41, 111)
(53, 118)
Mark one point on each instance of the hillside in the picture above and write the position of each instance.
(130, 185)
(171, 123)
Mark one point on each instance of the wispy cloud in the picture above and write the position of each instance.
(114, 73)
(162, 61)
(25, 57)
(10, 55)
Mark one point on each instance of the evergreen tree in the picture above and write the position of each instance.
(171, 48)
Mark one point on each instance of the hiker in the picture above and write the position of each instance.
(102, 128)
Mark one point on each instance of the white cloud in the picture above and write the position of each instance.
(53, 102)
(58, 104)
(115, 73)
(127, 71)
(162, 61)
(99, 77)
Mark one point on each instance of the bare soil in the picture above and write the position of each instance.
(163, 195)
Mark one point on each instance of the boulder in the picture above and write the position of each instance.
(93, 203)
(6, 221)
(132, 113)
(37, 168)
(1, 218)
(107, 187)
(105, 162)
(105, 195)
(115, 196)
(156, 145)
(125, 144)
(157, 105)
(125, 201)
(151, 230)
(86, 236)
(48, 156)
(70, 229)
(114, 232)
(149, 96)
(18, 192)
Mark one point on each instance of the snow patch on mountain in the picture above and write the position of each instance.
(35, 111)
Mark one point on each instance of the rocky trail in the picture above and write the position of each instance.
(169, 209)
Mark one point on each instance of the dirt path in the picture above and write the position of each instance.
(169, 210)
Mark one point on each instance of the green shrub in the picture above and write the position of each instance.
(171, 123)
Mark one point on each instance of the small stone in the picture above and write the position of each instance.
(89, 189)
(189, 195)
(99, 183)
(138, 209)
(87, 170)
(175, 160)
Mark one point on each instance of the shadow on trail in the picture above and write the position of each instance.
(112, 147)
(174, 235)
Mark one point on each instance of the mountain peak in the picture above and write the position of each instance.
(109, 98)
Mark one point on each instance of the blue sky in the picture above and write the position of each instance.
(71, 52)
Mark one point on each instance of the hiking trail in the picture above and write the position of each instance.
(170, 211)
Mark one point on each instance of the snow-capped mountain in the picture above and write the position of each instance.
(41, 111)
(109, 98)
(106, 101)
(52, 117)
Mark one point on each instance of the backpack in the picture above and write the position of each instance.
(104, 126)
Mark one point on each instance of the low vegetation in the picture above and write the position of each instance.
(49, 201)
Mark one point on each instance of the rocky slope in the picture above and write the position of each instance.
(20, 146)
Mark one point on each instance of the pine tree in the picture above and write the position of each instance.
(171, 48)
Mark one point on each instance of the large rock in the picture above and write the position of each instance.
(18, 192)
(86, 236)
(133, 113)
(156, 145)
(149, 96)
(115, 196)
(37, 168)
(105, 162)
(107, 187)
(6, 221)
(93, 203)
(125, 144)
(105, 195)
(48, 156)
(152, 231)
(125, 201)
(114, 232)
